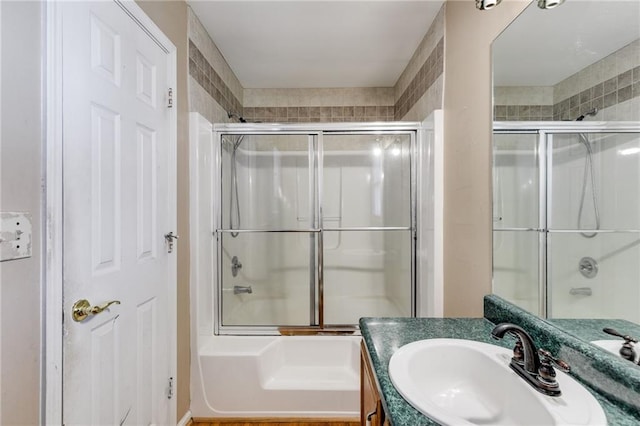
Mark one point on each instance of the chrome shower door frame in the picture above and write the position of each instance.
(546, 131)
(315, 132)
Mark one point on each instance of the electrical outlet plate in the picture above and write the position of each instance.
(15, 235)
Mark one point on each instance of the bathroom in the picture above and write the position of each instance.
(465, 97)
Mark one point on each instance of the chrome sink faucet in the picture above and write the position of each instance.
(533, 365)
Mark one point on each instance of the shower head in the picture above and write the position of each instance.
(232, 114)
(592, 113)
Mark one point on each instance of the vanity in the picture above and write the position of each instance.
(615, 385)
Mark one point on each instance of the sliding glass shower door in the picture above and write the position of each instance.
(367, 229)
(268, 234)
(316, 229)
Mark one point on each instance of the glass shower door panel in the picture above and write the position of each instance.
(594, 277)
(595, 181)
(516, 176)
(366, 181)
(266, 182)
(265, 279)
(366, 274)
(516, 268)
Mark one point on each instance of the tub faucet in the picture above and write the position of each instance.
(533, 365)
(239, 289)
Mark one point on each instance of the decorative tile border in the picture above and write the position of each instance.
(424, 78)
(608, 93)
(611, 92)
(523, 112)
(315, 114)
(207, 77)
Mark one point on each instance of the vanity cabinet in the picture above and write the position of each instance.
(371, 410)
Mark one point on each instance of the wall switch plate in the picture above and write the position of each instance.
(15, 235)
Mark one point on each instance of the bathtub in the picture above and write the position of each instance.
(277, 376)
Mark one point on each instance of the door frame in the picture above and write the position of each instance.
(52, 281)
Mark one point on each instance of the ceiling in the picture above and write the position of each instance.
(316, 44)
(543, 47)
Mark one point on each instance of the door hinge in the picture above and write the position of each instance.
(170, 388)
(170, 98)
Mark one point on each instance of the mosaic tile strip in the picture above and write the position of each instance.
(316, 114)
(207, 77)
(424, 78)
(611, 92)
(523, 112)
(608, 93)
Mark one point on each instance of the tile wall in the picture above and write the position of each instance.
(612, 85)
(206, 76)
(424, 78)
(319, 105)
(213, 87)
(419, 90)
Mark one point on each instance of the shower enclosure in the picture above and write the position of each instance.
(315, 227)
(566, 218)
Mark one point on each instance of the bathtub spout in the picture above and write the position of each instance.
(239, 289)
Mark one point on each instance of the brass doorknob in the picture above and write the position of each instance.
(82, 309)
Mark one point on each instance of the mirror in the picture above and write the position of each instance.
(567, 221)
(558, 64)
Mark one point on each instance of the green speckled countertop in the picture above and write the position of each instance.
(590, 329)
(383, 336)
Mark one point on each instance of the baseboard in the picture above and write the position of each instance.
(186, 419)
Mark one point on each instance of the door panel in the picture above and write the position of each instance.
(117, 208)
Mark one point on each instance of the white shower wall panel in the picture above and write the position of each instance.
(615, 292)
(617, 179)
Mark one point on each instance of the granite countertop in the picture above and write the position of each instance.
(383, 336)
(590, 329)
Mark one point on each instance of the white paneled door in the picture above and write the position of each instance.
(119, 203)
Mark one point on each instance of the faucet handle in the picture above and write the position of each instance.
(518, 352)
(546, 373)
(627, 338)
(547, 358)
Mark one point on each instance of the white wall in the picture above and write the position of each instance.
(429, 210)
(21, 190)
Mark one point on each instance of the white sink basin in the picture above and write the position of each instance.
(614, 346)
(462, 382)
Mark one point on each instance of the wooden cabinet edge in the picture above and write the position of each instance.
(370, 401)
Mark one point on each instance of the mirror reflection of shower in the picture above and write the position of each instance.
(588, 175)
